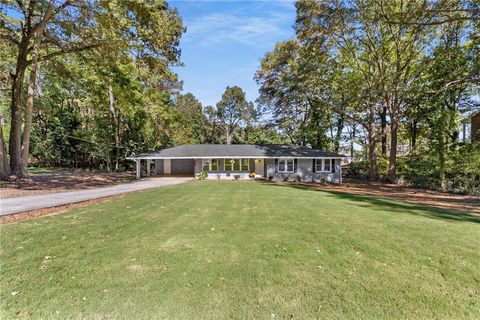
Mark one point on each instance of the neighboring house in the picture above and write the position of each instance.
(469, 130)
(231, 161)
(347, 157)
(403, 149)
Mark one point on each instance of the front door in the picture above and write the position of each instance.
(259, 167)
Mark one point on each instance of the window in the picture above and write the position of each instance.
(327, 165)
(318, 165)
(244, 164)
(236, 164)
(210, 165)
(214, 165)
(285, 165)
(228, 164)
(323, 165)
(289, 165)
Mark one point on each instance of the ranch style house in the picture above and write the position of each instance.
(243, 161)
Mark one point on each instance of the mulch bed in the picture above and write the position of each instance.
(27, 215)
(464, 203)
(60, 181)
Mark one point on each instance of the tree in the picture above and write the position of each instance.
(295, 80)
(442, 104)
(343, 32)
(192, 111)
(233, 111)
(150, 29)
(261, 134)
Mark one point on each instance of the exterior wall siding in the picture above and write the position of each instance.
(198, 166)
(305, 172)
(159, 166)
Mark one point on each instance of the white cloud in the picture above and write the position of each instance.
(217, 28)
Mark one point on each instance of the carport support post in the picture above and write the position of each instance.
(139, 168)
(148, 167)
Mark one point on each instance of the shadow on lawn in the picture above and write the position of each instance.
(379, 203)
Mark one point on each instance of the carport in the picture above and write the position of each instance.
(164, 167)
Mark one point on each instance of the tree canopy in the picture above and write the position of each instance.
(390, 84)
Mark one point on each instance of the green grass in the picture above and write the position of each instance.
(240, 250)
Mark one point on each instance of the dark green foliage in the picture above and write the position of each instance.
(461, 175)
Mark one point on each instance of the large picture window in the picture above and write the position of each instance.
(323, 165)
(210, 165)
(236, 164)
(285, 165)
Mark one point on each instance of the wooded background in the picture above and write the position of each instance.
(83, 84)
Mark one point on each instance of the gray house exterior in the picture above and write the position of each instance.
(243, 161)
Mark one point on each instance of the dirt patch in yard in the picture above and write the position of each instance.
(52, 210)
(437, 199)
(61, 181)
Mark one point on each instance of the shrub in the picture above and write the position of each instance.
(237, 176)
(252, 175)
(357, 169)
(285, 178)
(299, 178)
(202, 175)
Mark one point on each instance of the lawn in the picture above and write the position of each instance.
(243, 250)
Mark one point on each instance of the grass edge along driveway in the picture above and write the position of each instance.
(242, 250)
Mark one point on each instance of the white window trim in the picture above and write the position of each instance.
(210, 165)
(236, 159)
(285, 160)
(323, 165)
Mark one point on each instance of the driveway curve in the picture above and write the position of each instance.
(21, 204)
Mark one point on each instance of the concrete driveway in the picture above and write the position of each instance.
(27, 203)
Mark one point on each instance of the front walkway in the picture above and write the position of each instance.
(20, 204)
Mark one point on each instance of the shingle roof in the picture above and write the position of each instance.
(237, 150)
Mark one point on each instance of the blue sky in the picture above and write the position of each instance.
(225, 41)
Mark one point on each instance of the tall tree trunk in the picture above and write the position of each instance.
(4, 168)
(15, 140)
(228, 134)
(414, 134)
(383, 118)
(442, 167)
(372, 144)
(115, 126)
(392, 165)
(338, 134)
(32, 88)
(442, 149)
(352, 141)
